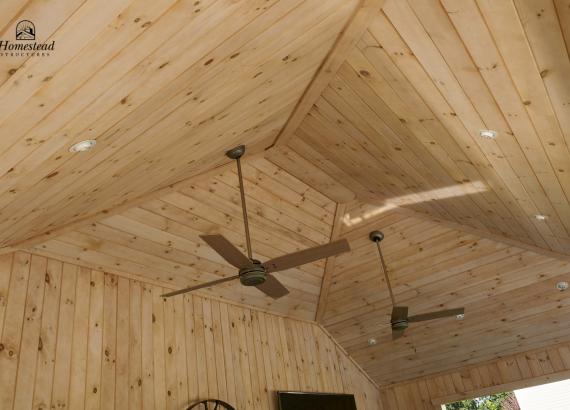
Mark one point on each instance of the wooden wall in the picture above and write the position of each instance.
(515, 372)
(72, 337)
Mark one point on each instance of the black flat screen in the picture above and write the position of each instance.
(315, 401)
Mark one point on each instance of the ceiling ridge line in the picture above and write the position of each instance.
(328, 272)
(37, 239)
(349, 357)
(347, 38)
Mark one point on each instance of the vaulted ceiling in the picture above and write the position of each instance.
(355, 119)
(164, 86)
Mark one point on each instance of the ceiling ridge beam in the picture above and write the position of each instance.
(483, 234)
(329, 264)
(353, 30)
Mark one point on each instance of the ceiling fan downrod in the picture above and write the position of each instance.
(236, 153)
(377, 237)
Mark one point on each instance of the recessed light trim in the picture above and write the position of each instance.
(460, 316)
(372, 341)
(562, 286)
(82, 146)
(541, 217)
(488, 134)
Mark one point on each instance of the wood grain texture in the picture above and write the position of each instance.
(399, 124)
(512, 372)
(132, 349)
(509, 296)
(165, 88)
(159, 239)
(363, 13)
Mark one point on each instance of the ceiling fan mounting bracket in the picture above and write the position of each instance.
(376, 236)
(236, 153)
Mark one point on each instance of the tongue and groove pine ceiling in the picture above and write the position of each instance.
(355, 119)
(164, 86)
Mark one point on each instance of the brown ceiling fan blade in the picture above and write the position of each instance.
(397, 333)
(272, 287)
(306, 256)
(436, 315)
(399, 313)
(203, 285)
(227, 250)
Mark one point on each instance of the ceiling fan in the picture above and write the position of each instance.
(251, 271)
(399, 319)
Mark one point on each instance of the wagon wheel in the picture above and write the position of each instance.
(211, 405)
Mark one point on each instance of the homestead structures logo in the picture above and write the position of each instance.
(25, 30)
(25, 44)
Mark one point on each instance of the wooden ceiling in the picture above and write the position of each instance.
(509, 296)
(158, 240)
(164, 87)
(338, 102)
(400, 122)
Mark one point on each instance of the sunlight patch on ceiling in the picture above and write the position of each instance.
(452, 191)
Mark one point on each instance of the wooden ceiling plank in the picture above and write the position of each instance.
(425, 50)
(317, 128)
(33, 125)
(360, 152)
(123, 207)
(435, 22)
(409, 106)
(358, 22)
(485, 234)
(546, 155)
(547, 32)
(273, 220)
(260, 192)
(251, 102)
(198, 253)
(283, 179)
(339, 101)
(289, 159)
(336, 232)
(313, 156)
(181, 149)
(538, 332)
(189, 224)
(419, 80)
(404, 142)
(430, 334)
(267, 18)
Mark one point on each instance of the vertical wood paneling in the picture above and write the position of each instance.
(12, 331)
(48, 335)
(78, 338)
(108, 368)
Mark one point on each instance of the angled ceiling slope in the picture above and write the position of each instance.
(164, 87)
(158, 240)
(509, 294)
(399, 124)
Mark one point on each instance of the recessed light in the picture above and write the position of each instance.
(541, 217)
(562, 286)
(372, 341)
(460, 316)
(81, 146)
(489, 134)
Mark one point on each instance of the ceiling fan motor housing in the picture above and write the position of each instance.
(253, 275)
(400, 324)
